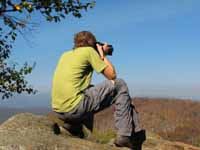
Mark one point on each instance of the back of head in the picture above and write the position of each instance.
(83, 39)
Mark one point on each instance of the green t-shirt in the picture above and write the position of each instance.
(72, 75)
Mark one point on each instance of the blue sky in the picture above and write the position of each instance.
(156, 47)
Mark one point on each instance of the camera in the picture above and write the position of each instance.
(107, 51)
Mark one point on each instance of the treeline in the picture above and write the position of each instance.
(172, 119)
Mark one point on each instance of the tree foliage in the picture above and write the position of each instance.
(16, 17)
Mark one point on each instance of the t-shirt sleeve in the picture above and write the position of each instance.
(97, 64)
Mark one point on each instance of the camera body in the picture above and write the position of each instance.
(107, 51)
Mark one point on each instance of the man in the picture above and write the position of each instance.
(74, 100)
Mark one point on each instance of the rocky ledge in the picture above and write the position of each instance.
(32, 132)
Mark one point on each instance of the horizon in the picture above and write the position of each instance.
(19, 102)
(156, 48)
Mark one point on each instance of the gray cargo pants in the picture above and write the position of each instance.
(102, 96)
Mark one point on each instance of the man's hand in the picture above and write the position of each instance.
(109, 71)
(102, 49)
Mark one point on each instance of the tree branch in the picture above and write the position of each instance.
(8, 10)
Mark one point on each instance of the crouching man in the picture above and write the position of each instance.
(75, 101)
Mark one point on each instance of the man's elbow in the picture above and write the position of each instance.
(113, 76)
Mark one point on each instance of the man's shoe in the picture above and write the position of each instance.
(56, 129)
(54, 118)
(138, 139)
(74, 130)
(124, 141)
(139, 136)
(56, 122)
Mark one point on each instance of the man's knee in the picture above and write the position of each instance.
(120, 84)
(120, 81)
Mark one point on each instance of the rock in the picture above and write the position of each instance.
(32, 132)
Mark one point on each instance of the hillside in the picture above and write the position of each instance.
(32, 132)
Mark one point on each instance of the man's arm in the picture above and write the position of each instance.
(109, 72)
